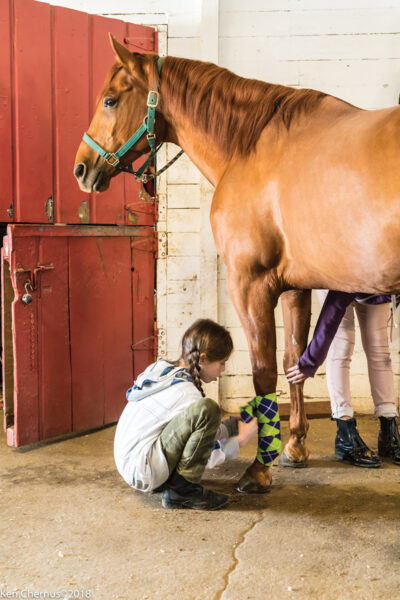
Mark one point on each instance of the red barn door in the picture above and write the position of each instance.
(69, 354)
(53, 62)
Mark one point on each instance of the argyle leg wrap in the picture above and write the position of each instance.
(265, 409)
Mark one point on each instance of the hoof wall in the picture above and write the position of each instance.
(248, 486)
(286, 460)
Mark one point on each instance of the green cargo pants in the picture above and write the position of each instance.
(188, 439)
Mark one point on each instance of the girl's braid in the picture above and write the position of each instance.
(193, 359)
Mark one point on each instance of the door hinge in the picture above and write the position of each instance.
(146, 205)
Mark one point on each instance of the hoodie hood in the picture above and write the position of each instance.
(157, 377)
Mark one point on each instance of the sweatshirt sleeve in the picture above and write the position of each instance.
(327, 325)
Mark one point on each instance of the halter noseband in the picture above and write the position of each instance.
(147, 127)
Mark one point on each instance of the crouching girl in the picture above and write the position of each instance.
(169, 431)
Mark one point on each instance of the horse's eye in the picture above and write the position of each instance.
(109, 102)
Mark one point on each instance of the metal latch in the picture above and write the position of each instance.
(31, 283)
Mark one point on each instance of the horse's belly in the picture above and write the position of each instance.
(350, 271)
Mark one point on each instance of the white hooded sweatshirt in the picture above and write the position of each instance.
(160, 393)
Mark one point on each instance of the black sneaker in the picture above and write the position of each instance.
(180, 493)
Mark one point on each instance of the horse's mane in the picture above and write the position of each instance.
(232, 109)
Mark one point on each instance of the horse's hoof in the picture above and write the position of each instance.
(249, 486)
(286, 460)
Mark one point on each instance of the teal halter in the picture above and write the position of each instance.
(147, 127)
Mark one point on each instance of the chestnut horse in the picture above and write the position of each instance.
(307, 195)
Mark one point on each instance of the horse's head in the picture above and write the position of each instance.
(120, 111)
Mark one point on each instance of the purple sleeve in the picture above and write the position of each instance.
(327, 325)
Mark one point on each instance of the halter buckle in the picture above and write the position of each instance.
(152, 99)
(111, 157)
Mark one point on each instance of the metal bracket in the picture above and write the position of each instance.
(162, 207)
(161, 343)
(162, 250)
(49, 209)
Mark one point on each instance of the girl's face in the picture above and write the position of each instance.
(211, 370)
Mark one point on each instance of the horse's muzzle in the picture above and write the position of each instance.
(90, 180)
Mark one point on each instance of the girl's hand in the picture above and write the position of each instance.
(246, 431)
(294, 375)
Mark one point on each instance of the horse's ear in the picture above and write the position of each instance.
(122, 54)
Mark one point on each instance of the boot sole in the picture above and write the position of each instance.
(389, 458)
(179, 504)
(346, 459)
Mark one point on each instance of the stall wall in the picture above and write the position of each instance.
(348, 49)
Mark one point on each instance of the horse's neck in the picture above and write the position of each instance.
(204, 151)
(200, 148)
(214, 115)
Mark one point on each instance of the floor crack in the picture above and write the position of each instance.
(235, 564)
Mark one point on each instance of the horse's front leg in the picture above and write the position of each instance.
(296, 308)
(255, 300)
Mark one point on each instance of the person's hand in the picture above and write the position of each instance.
(294, 375)
(247, 431)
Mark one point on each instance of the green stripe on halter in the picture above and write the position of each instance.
(113, 158)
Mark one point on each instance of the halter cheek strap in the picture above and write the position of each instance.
(147, 127)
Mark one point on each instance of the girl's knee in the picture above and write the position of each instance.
(209, 408)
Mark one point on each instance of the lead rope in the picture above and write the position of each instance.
(149, 176)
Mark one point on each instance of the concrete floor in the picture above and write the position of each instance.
(69, 522)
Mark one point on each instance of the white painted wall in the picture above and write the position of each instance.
(349, 48)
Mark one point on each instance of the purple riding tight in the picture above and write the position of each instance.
(373, 326)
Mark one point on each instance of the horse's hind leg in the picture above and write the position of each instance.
(296, 308)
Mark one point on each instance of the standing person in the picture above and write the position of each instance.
(334, 339)
(169, 431)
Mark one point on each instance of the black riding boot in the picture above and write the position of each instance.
(389, 439)
(180, 493)
(349, 446)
